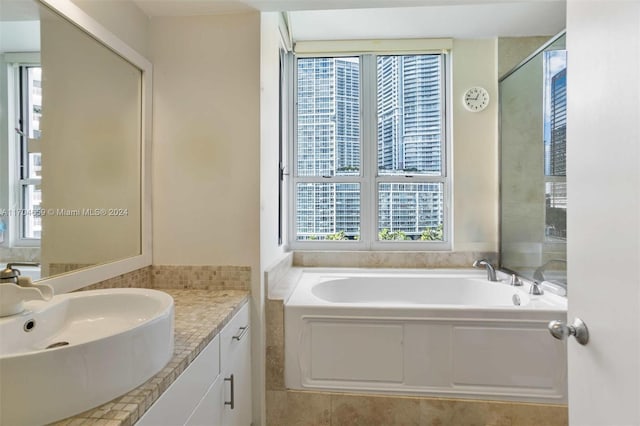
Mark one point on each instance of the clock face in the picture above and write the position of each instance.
(476, 99)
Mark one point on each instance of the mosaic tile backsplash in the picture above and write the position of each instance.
(201, 277)
(140, 278)
(195, 277)
(390, 259)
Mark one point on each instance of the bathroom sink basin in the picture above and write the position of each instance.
(80, 350)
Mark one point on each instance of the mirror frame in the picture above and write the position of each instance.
(84, 277)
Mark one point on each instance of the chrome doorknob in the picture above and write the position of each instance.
(578, 329)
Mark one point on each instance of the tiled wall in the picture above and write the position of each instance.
(200, 277)
(140, 278)
(290, 408)
(390, 259)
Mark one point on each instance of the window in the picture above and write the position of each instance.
(370, 151)
(27, 155)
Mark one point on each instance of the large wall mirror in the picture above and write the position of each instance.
(73, 186)
(533, 187)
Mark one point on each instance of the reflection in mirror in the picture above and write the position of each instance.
(533, 191)
(70, 145)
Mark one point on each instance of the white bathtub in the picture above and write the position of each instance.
(445, 333)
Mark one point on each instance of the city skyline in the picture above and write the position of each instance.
(409, 140)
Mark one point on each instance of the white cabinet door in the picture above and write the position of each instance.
(209, 410)
(235, 356)
(220, 375)
(177, 403)
(240, 369)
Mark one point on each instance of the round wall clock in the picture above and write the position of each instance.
(476, 99)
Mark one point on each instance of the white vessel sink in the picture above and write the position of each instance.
(80, 350)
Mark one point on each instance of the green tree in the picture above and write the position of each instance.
(433, 234)
(385, 234)
(340, 235)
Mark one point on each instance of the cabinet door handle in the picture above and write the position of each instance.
(231, 403)
(241, 332)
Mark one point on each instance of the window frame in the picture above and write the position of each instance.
(23, 150)
(17, 147)
(369, 178)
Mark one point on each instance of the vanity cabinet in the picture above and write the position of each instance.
(235, 361)
(215, 389)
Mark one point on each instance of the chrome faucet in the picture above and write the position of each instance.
(15, 290)
(491, 272)
(11, 274)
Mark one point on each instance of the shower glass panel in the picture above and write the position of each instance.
(533, 188)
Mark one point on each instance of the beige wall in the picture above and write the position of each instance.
(90, 149)
(513, 50)
(206, 152)
(121, 17)
(475, 149)
(206, 148)
(270, 251)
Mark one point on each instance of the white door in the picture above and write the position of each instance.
(603, 175)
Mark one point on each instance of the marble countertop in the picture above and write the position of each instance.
(199, 316)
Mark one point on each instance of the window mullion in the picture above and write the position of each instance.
(369, 126)
(411, 179)
(292, 151)
(444, 90)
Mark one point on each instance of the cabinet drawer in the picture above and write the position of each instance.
(177, 403)
(233, 335)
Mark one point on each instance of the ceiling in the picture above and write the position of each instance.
(186, 7)
(367, 19)
(362, 19)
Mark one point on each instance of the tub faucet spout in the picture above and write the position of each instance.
(491, 272)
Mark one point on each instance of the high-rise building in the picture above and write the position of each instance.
(328, 116)
(555, 156)
(558, 116)
(409, 113)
